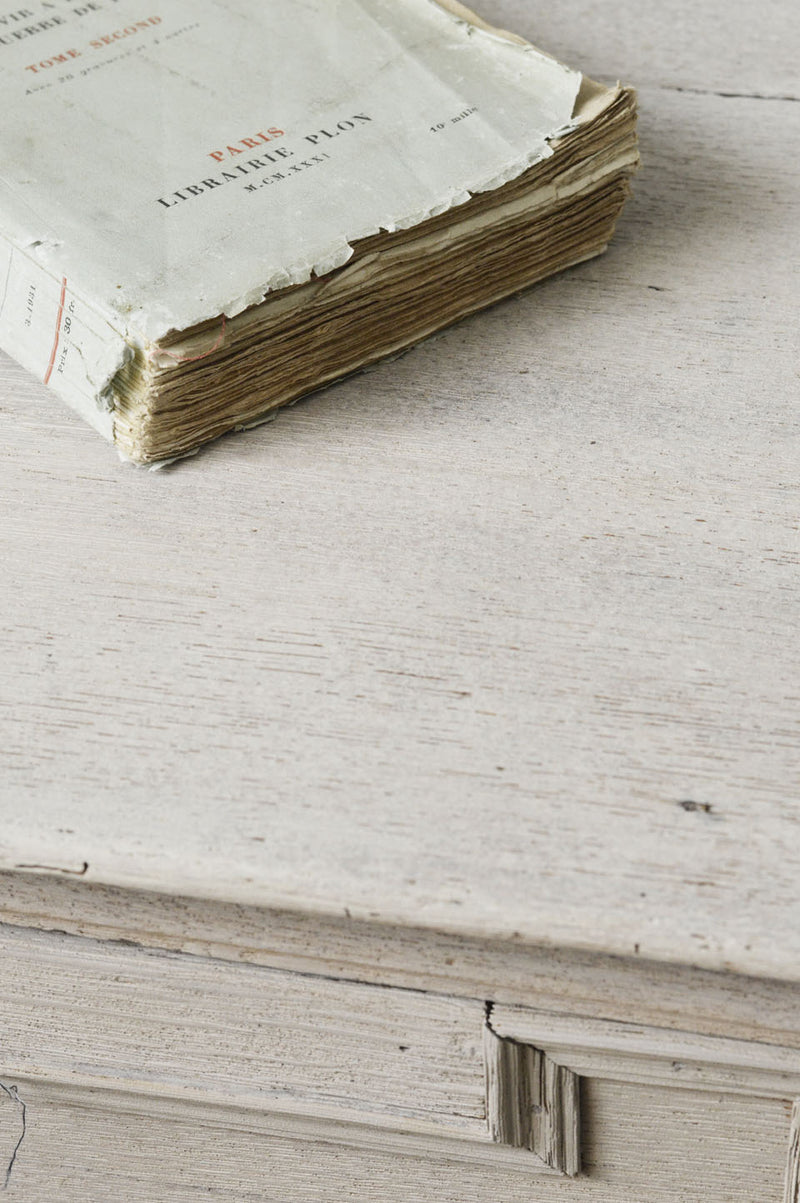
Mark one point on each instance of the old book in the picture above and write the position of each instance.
(209, 211)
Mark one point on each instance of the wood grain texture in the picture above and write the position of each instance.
(498, 639)
(244, 1036)
(709, 48)
(792, 1186)
(311, 1071)
(630, 1052)
(531, 1102)
(90, 1146)
(632, 990)
(13, 1129)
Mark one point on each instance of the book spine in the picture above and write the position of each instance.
(53, 333)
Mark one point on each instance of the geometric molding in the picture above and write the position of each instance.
(625, 1052)
(531, 1102)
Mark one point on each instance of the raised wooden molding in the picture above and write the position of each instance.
(343, 1073)
(633, 990)
(792, 1190)
(637, 1053)
(346, 1062)
(531, 1102)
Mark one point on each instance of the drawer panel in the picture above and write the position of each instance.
(80, 1011)
(307, 1080)
(645, 1146)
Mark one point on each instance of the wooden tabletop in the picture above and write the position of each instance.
(499, 637)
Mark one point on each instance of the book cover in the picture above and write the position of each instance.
(165, 167)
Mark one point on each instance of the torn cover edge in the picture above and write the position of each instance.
(78, 350)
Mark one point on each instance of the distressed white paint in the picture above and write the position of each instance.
(446, 647)
(708, 48)
(561, 539)
(101, 1036)
(632, 990)
(192, 1028)
(450, 644)
(631, 1052)
(109, 1146)
(792, 1185)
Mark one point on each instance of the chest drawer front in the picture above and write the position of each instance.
(78, 1011)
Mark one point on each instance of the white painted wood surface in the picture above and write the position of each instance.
(311, 1070)
(792, 1185)
(632, 990)
(498, 638)
(709, 48)
(653, 1145)
(193, 1028)
(629, 1052)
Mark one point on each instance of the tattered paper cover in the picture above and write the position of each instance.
(163, 166)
